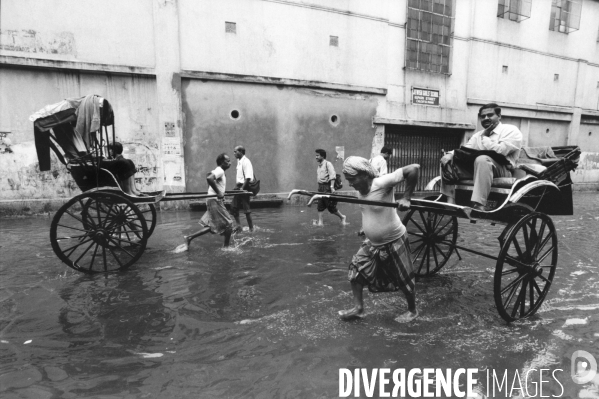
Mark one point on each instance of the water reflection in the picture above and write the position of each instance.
(260, 319)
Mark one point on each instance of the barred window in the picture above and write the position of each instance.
(429, 30)
(565, 15)
(514, 10)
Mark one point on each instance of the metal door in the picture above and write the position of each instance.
(421, 145)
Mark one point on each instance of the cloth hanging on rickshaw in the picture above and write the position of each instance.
(72, 120)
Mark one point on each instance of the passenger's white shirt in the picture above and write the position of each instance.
(382, 224)
(221, 181)
(504, 139)
(244, 166)
(379, 163)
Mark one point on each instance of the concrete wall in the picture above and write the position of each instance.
(105, 32)
(279, 126)
(287, 39)
(134, 102)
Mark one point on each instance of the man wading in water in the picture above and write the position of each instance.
(217, 219)
(383, 263)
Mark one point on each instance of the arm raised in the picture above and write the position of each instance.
(410, 174)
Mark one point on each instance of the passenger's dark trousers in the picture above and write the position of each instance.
(484, 170)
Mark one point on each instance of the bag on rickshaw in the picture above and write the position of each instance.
(465, 157)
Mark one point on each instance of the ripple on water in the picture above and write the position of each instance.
(260, 319)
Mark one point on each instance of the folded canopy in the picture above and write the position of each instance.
(72, 120)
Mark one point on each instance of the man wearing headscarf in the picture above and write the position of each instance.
(383, 263)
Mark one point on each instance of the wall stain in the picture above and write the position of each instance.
(31, 41)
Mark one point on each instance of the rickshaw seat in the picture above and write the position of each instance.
(499, 182)
(85, 176)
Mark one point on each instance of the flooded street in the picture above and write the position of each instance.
(260, 320)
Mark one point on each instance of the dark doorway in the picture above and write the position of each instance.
(421, 145)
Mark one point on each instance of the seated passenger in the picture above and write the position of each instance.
(502, 138)
(122, 168)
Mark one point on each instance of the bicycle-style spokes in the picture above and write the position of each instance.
(432, 239)
(99, 232)
(525, 267)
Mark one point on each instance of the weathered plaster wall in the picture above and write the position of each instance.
(105, 32)
(24, 91)
(287, 39)
(279, 126)
(546, 132)
(532, 33)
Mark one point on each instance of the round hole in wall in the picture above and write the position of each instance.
(547, 131)
(234, 114)
(334, 120)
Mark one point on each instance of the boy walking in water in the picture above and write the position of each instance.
(216, 220)
(383, 263)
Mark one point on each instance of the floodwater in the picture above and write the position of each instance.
(260, 320)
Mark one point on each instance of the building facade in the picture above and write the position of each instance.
(189, 79)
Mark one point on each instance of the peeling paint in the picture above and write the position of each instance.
(176, 82)
(31, 41)
(588, 161)
(22, 179)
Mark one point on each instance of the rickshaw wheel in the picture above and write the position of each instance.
(149, 213)
(107, 235)
(525, 266)
(432, 240)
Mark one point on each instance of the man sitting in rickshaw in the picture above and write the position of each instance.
(122, 168)
(501, 138)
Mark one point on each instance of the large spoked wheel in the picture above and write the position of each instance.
(147, 210)
(525, 266)
(99, 232)
(149, 213)
(432, 240)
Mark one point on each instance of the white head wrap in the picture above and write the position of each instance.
(354, 165)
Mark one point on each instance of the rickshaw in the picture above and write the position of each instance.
(103, 229)
(528, 251)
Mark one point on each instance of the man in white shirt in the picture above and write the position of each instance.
(325, 177)
(502, 138)
(216, 220)
(245, 174)
(379, 163)
(384, 261)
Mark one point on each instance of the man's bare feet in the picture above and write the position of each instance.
(406, 317)
(352, 313)
(344, 220)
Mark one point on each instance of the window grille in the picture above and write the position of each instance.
(429, 31)
(565, 15)
(514, 10)
(230, 27)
